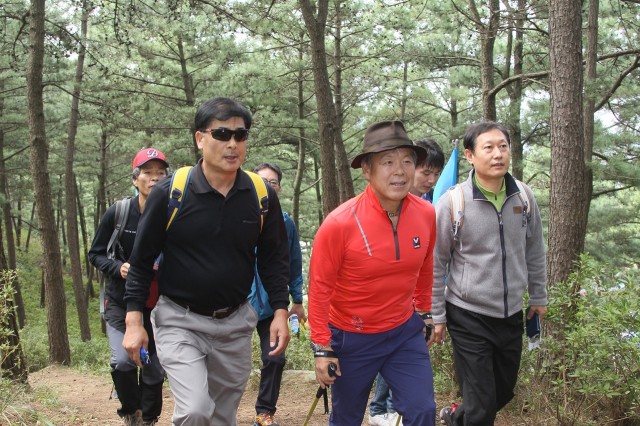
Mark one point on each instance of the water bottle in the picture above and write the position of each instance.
(294, 323)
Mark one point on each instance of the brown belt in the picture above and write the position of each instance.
(217, 314)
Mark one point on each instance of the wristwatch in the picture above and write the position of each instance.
(426, 316)
(315, 347)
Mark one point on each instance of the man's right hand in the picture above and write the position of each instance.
(135, 336)
(440, 333)
(322, 366)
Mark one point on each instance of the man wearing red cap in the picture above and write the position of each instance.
(140, 395)
(370, 283)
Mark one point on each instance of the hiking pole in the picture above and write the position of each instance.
(321, 392)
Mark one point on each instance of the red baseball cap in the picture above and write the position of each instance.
(148, 154)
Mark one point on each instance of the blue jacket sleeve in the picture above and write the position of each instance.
(295, 260)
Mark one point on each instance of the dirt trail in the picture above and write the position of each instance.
(83, 399)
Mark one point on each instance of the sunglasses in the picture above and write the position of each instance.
(224, 134)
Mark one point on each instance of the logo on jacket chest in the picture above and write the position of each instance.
(416, 242)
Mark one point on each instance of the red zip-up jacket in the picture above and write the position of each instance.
(364, 277)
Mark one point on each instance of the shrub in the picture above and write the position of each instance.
(589, 359)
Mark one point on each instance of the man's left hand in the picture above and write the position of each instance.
(279, 332)
(298, 310)
(541, 310)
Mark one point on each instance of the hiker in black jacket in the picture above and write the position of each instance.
(140, 395)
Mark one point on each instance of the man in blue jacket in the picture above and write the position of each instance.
(273, 365)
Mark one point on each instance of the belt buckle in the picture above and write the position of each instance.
(221, 313)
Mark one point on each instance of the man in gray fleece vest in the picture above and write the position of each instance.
(492, 260)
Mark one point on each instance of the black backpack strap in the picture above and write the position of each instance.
(122, 214)
(120, 222)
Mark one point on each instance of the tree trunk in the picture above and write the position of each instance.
(59, 351)
(71, 208)
(487, 41)
(13, 365)
(566, 234)
(344, 168)
(515, 90)
(101, 202)
(302, 143)
(8, 223)
(83, 228)
(30, 225)
(589, 109)
(189, 95)
(326, 109)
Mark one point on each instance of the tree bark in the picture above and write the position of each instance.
(13, 365)
(8, 223)
(344, 168)
(71, 208)
(487, 41)
(515, 89)
(59, 351)
(315, 24)
(566, 233)
(589, 109)
(302, 143)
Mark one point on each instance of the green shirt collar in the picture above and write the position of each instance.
(495, 198)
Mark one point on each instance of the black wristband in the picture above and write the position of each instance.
(324, 354)
(426, 316)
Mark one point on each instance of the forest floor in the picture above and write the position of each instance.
(75, 398)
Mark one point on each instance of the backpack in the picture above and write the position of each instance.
(180, 181)
(113, 246)
(456, 203)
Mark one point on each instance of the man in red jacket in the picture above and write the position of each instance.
(370, 283)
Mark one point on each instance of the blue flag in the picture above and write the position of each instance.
(448, 177)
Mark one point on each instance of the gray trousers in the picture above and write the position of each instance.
(207, 361)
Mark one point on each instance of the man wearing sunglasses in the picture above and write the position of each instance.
(202, 321)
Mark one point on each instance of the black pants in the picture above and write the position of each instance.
(487, 355)
(270, 373)
(136, 388)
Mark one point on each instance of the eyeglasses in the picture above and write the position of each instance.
(224, 134)
(274, 183)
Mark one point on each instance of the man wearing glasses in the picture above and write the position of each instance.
(273, 365)
(202, 322)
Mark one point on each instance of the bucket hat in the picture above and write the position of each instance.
(384, 136)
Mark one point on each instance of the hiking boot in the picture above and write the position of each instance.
(134, 419)
(264, 419)
(446, 414)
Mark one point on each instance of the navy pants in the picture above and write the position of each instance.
(270, 373)
(401, 356)
(487, 355)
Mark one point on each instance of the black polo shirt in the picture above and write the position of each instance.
(209, 252)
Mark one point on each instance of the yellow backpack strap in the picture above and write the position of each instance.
(262, 195)
(177, 193)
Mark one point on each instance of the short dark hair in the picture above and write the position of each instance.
(271, 166)
(222, 109)
(435, 156)
(477, 129)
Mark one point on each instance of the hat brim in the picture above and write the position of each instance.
(152, 159)
(356, 163)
